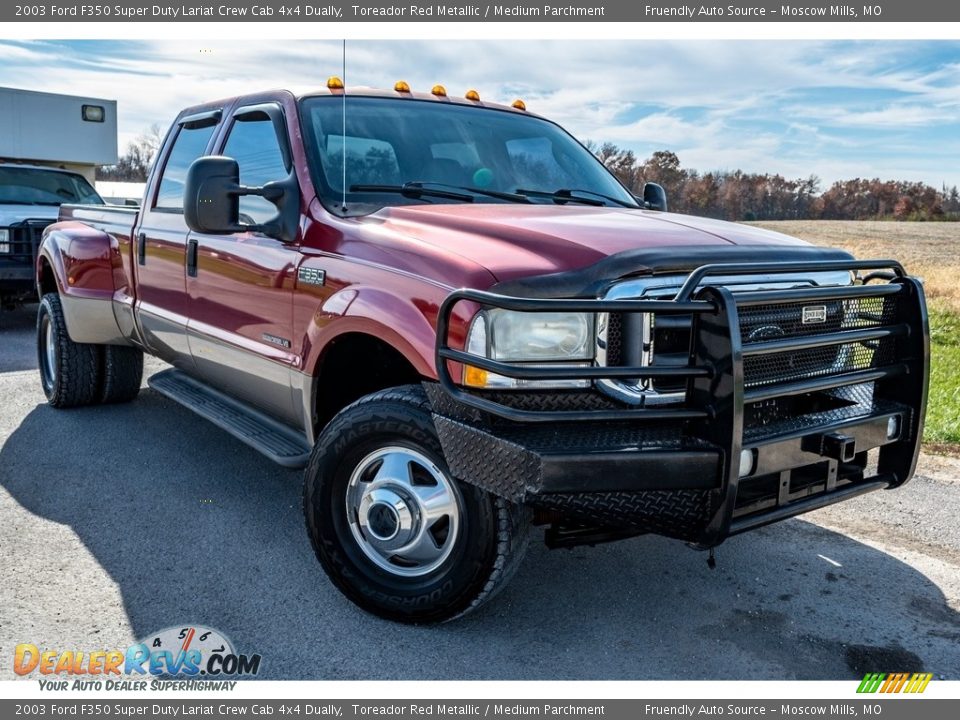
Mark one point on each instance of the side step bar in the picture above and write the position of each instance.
(282, 444)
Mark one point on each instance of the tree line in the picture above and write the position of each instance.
(736, 195)
(726, 195)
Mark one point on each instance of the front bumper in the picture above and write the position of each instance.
(676, 471)
(15, 273)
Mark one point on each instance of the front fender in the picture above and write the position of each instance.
(395, 320)
(83, 261)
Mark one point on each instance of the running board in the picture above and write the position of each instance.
(282, 444)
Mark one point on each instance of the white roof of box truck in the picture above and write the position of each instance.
(46, 127)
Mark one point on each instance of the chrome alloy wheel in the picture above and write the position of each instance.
(48, 355)
(403, 511)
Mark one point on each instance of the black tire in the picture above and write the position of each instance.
(70, 373)
(490, 541)
(122, 373)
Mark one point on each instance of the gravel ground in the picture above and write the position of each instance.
(116, 522)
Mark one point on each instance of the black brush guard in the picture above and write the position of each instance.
(675, 470)
(17, 266)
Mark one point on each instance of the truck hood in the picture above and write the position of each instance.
(513, 241)
(14, 214)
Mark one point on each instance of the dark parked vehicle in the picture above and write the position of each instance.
(30, 198)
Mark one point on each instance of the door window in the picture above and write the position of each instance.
(190, 144)
(255, 147)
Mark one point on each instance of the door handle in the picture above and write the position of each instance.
(192, 247)
(142, 248)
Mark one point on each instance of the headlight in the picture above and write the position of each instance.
(531, 338)
(4, 240)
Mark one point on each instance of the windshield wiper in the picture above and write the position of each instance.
(567, 195)
(500, 195)
(413, 190)
(424, 187)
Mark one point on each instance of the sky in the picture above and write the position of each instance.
(834, 109)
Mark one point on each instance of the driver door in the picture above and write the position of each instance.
(240, 286)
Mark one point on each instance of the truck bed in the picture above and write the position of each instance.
(109, 218)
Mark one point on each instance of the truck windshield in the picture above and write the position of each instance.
(402, 151)
(29, 186)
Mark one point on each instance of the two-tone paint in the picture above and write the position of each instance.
(254, 321)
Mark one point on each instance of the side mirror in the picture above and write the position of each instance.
(211, 196)
(211, 200)
(654, 197)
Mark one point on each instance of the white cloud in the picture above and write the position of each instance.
(794, 107)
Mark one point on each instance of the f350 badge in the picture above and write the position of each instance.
(311, 276)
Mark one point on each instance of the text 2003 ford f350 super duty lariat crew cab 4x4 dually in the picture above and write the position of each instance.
(462, 324)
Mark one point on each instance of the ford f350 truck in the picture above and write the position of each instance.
(461, 324)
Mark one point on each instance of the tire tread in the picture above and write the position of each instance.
(78, 364)
(122, 373)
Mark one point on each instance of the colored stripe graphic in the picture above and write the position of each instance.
(894, 682)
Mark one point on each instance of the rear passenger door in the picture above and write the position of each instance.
(161, 239)
(241, 290)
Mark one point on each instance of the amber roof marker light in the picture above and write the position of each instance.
(519, 104)
(401, 87)
(472, 95)
(439, 91)
(334, 83)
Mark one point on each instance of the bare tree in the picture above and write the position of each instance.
(134, 164)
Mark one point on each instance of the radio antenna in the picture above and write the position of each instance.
(343, 126)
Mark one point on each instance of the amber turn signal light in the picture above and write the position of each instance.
(474, 376)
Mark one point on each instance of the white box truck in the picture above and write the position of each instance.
(50, 148)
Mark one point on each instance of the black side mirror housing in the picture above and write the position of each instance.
(211, 200)
(654, 197)
(211, 197)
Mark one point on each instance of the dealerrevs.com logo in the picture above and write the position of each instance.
(188, 657)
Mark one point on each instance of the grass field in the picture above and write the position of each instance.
(930, 251)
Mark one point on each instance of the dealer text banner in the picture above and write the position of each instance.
(489, 709)
(616, 11)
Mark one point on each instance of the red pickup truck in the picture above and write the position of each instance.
(461, 324)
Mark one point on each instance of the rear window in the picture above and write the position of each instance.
(369, 161)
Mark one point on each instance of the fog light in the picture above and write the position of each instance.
(893, 427)
(747, 461)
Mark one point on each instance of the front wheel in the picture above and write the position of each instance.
(395, 532)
